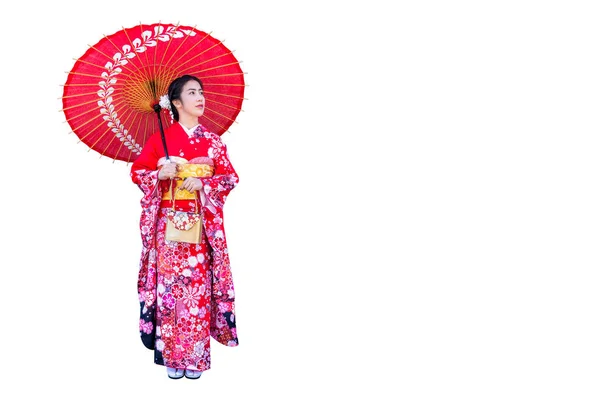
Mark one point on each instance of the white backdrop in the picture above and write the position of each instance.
(417, 214)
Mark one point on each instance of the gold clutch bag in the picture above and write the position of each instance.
(184, 226)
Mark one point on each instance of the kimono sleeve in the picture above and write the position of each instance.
(144, 171)
(224, 179)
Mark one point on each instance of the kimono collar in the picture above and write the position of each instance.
(189, 132)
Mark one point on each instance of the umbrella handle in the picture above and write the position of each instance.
(157, 109)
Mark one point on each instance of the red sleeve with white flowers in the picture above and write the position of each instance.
(224, 179)
(144, 171)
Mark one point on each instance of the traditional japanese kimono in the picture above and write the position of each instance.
(185, 290)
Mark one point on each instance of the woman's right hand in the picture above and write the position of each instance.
(168, 171)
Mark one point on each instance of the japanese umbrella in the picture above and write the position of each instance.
(111, 95)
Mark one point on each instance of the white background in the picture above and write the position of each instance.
(417, 214)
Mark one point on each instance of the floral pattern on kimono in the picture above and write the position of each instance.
(220, 306)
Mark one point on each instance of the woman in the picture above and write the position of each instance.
(185, 289)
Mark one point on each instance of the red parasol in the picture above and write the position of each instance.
(111, 92)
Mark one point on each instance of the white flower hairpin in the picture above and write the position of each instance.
(165, 103)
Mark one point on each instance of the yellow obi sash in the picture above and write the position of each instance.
(197, 167)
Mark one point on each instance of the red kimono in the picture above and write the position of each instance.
(185, 290)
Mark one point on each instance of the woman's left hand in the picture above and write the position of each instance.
(192, 184)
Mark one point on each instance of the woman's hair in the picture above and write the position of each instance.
(175, 89)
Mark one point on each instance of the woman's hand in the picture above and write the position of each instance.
(168, 171)
(191, 184)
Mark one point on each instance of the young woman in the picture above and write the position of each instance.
(185, 289)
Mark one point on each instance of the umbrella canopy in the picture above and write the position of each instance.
(111, 91)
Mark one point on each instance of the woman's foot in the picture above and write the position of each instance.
(174, 373)
(193, 374)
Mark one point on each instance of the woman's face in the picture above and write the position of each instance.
(192, 100)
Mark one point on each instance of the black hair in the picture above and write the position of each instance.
(175, 89)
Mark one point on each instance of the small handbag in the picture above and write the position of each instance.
(184, 226)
